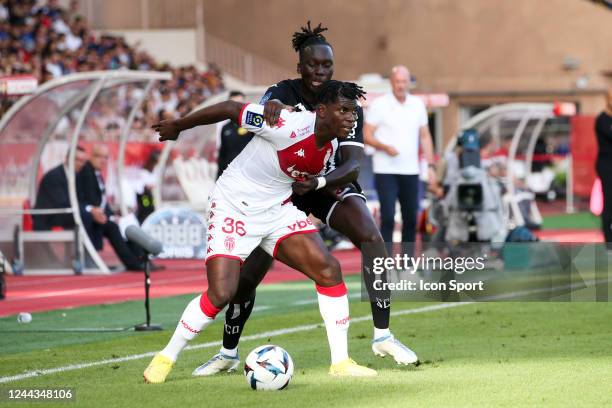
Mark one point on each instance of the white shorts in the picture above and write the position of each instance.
(232, 234)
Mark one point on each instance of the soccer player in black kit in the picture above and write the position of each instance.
(335, 199)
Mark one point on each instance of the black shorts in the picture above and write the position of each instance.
(322, 205)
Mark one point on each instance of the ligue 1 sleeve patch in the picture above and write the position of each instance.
(254, 119)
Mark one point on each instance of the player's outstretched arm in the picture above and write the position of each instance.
(171, 128)
(345, 173)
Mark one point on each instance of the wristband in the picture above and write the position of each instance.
(321, 182)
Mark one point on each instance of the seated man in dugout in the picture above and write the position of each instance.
(97, 215)
(53, 194)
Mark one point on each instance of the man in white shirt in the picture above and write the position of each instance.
(396, 126)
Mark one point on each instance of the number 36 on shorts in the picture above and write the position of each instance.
(230, 226)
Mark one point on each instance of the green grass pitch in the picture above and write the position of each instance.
(480, 354)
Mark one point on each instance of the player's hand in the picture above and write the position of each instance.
(168, 129)
(304, 186)
(390, 150)
(272, 111)
(98, 215)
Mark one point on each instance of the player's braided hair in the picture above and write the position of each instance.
(308, 36)
(331, 90)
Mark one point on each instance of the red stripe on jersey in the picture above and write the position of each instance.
(332, 291)
(207, 307)
(310, 231)
(240, 115)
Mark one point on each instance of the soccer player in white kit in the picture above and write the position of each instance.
(250, 206)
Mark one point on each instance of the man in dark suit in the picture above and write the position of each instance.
(233, 139)
(97, 213)
(53, 193)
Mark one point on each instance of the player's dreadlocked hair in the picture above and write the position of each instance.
(308, 36)
(331, 90)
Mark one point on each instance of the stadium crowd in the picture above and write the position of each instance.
(48, 41)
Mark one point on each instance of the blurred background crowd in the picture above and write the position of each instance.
(48, 41)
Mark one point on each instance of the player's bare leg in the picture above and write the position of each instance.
(238, 311)
(307, 254)
(352, 218)
(223, 274)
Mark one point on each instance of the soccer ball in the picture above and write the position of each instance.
(268, 368)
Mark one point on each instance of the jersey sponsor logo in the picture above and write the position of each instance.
(280, 123)
(230, 244)
(293, 135)
(254, 119)
(300, 225)
(303, 131)
(296, 174)
(301, 153)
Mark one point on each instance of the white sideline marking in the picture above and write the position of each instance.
(279, 332)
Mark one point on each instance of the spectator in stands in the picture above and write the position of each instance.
(50, 41)
(231, 140)
(97, 215)
(603, 130)
(53, 193)
(396, 126)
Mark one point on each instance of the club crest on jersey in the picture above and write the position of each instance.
(230, 244)
(254, 119)
(301, 153)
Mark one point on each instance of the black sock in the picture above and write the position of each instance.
(380, 301)
(235, 319)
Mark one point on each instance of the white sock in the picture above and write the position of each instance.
(191, 323)
(335, 312)
(229, 352)
(378, 333)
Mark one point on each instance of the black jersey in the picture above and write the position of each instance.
(289, 93)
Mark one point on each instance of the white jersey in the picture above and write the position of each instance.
(261, 176)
